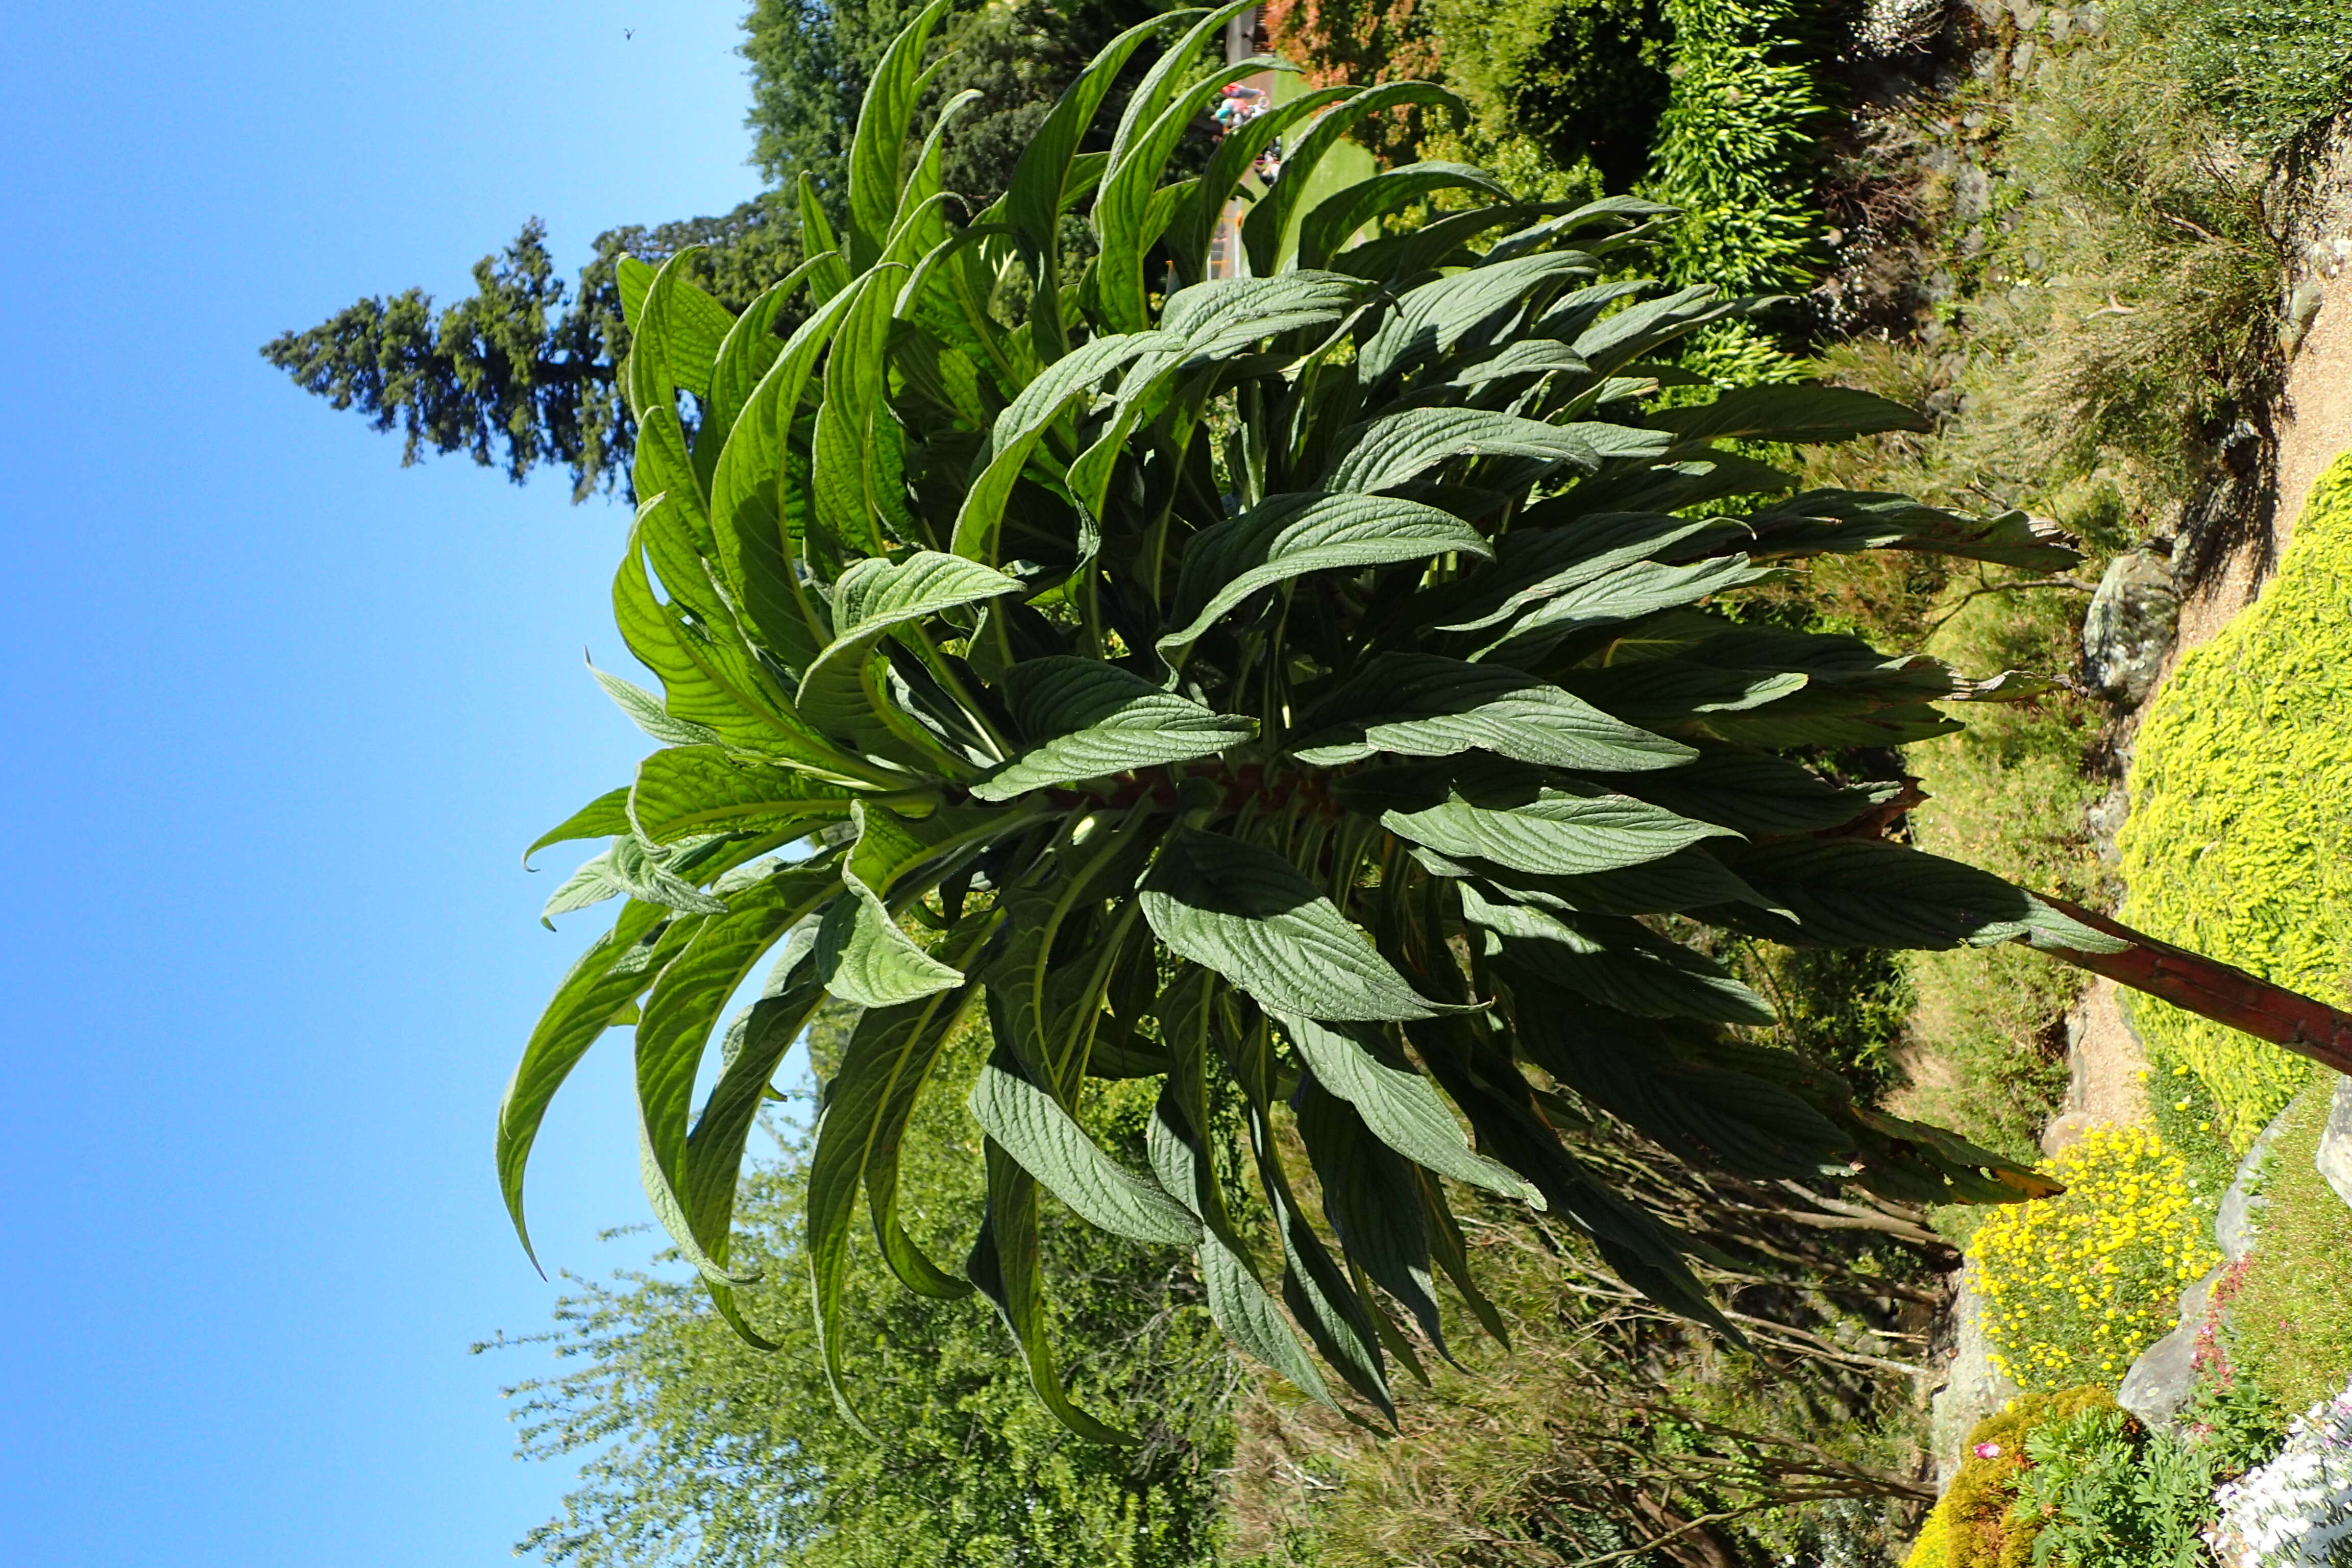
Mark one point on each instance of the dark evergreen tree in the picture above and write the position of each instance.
(522, 373)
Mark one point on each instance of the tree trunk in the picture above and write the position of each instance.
(2215, 990)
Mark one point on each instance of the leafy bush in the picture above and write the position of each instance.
(2238, 844)
(1121, 672)
(1973, 1524)
(693, 1448)
(1586, 78)
(2076, 1287)
(1736, 144)
(2102, 1491)
(2271, 71)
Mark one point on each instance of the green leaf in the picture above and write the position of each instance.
(832, 275)
(602, 817)
(1706, 1113)
(873, 596)
(1373, 1203)
(854, 454)
(1535, 562)
(1288, 536)
(681, 1010)
(1854, 892)
(1231, 315)
(689, 790)
(1253, 918)
(1687, 879)
(1619, 963)
(1436, 318)
(1336, 217)
(1033, 201)
(1026, 420)
(1156, 115)
(1563, 833)
(1757, 795)
(674, 342)
(1190, 233)
(861, 1121)
(627, 867)
(1237, 1301)
(1638, 329)
(1043, 1141)
(1007, 1266)
(1085, 719)
(1270, 222)
(746, 502)
(1839, 520)
(879, 146)
(1624, 594)
(1398, 448)
(1398, 1106)
(1799, 413)
(864, 958)
(645, 711)
(612, 972)
(1420, 705)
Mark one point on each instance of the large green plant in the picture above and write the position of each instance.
(1315, 689)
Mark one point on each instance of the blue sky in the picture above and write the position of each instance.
(281, 714)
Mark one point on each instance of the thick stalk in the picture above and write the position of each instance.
(2215, 990)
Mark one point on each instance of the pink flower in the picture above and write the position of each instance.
(1987, 1450)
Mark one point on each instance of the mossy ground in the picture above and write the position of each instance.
(2290, 1318)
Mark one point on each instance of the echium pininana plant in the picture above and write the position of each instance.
(1312, 689)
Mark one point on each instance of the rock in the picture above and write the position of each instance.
(2334, 1157)
(2160, 1382)
(1973, 1387)
(2233, 1222)
(2065, 1130)
(2107, 818)
(2128, 629)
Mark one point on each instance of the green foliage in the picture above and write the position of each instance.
(2270, 72)
(2077, 1286)
(1973, 1524)
(1606, 1424)
(2072, 1480)
(2238, 843)
(2290, 1309)
(2109, 1493)
(695, 1447)
(1583, 78)
(1735, 143)
(1469, 627)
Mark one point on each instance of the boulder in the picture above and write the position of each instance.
(2334, 1157)
(2128, 629)
(2233, 1222)
(1972, 1389)
(2160, 1382)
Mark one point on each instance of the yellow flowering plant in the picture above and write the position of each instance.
(2076, 1287)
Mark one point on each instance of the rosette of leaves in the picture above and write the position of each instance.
(1316, 689)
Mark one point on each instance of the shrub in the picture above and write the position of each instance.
(2239, 843)
(2077, 1286)
(1583, 78)
(2269, 70)
(1736, 144)
(1971, 1526)
(2102, 1491)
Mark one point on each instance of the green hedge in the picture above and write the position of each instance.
(2240, 841)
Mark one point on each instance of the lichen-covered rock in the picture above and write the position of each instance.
(2160, 1382)
(2128, 629)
